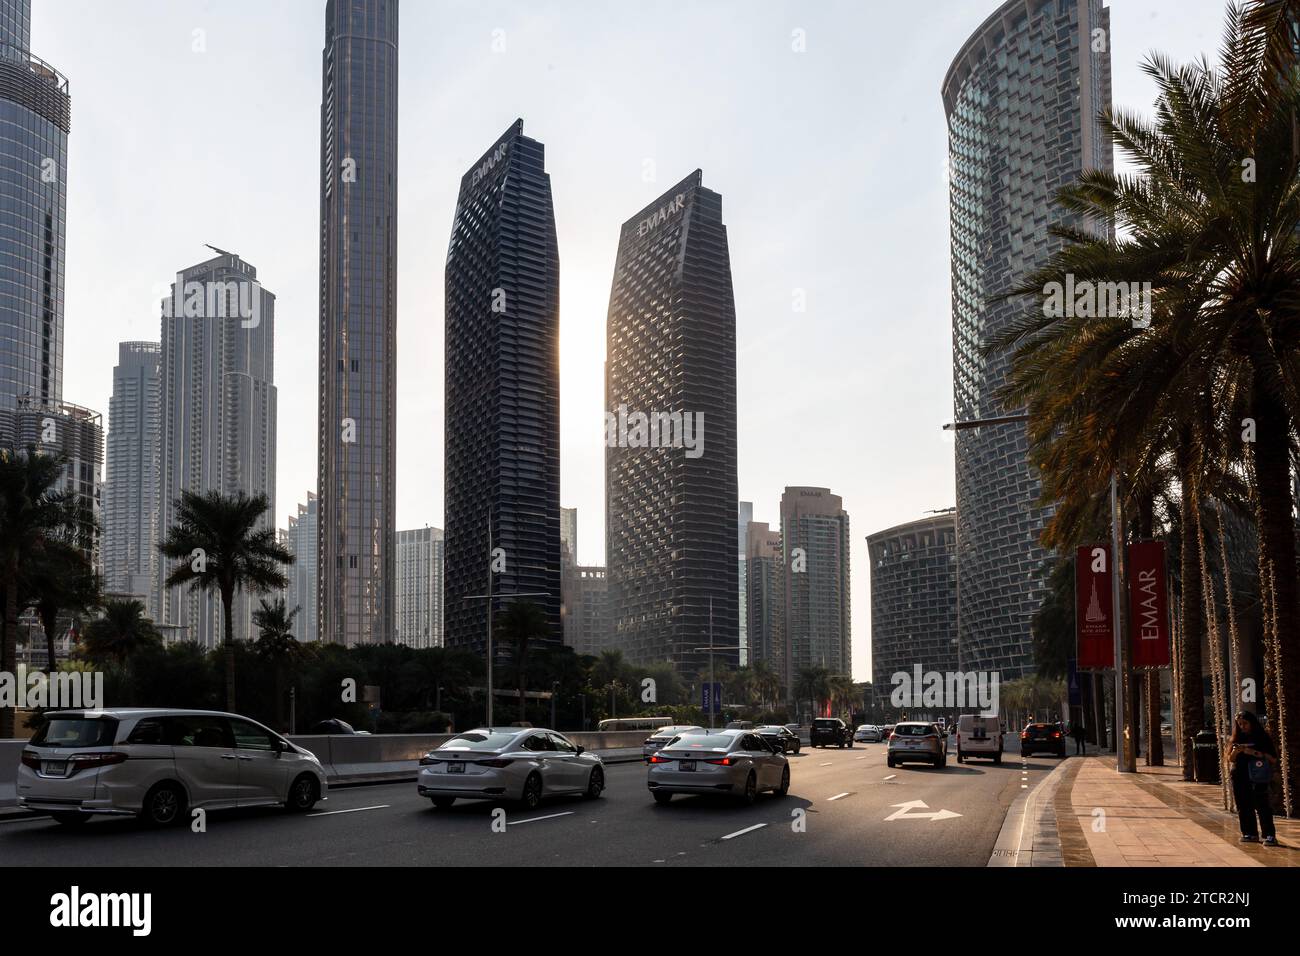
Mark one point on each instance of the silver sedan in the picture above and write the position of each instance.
(737, 763)
(508, 763)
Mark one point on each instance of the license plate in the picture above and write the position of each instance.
(455, 766)
(688, 764)
(54, 768)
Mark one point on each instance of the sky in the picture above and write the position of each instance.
(198, 121)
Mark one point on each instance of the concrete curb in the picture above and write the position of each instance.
(1029, 836)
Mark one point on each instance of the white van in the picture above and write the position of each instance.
(979, 736)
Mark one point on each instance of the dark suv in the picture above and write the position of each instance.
(831, 732)
(1042, 738)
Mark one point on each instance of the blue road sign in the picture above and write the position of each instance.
(711, 697)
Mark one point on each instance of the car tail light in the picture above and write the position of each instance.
(429, 760)
(657, 758)
(32, 760)
(1024, 735)
(494, 762)
(721, 762)
(1056, 733)
(82, 761)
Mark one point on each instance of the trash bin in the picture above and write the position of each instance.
(1205, 757)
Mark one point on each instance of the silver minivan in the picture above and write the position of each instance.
(158, 764)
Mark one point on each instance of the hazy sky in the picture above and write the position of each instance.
(830, 163)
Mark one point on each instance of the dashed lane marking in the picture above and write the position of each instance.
(756, 826)
(332, 813)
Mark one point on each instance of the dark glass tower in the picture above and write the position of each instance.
(358, 322)
(1022, 99)
(670, 513)
(503, 391)
(35, 117)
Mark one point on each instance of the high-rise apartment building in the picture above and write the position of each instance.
(357, 486)
(130, 540)
(1022, 99)
(503, 391)
(218, 418)
(765, 596)
(670, 457)
(301, 538)
(815, 547)
(744, 515)
(418, 588)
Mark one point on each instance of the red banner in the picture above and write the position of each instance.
(1148, 604)
(1093, 608)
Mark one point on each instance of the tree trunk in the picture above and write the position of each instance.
(1277, 538)
(1155, 746)
(9, 648)
(50, 620)
(227, 601)
(1192, 691)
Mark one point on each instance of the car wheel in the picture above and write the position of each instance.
(782, 790)
(595, 783)
(442, 803)
(164, 805)
(751, 789)
(303, 794)
(662, 798)
(70, 819)
(532, 795)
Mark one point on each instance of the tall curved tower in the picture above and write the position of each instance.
(357, 493)
(1022, 99)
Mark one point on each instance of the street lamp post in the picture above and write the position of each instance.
(1124, 764)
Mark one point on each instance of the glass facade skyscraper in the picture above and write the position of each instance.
(1022, 99)
(503, 392)
(670, 459)
(35, 118)
(815, 544)
(357, 482)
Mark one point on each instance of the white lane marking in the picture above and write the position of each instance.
(826, 764)
(840, 796)
(756, 826)
(859, 758)
(549, 816)
(891, 776)
(331, 813)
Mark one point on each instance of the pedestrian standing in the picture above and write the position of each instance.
(1251, 756)
(1078, 733)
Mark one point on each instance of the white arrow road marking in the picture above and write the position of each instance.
(902, 813)
(330, 813)
(840, 796)
(549, 816)
(756, 826)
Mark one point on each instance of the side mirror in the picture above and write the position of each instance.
(279, 746)
(582, 750)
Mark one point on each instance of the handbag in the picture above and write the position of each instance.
(1259, 770)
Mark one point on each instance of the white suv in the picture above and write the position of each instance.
(158, 764)
(979, 735)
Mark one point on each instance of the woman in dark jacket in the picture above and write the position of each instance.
(1250, 744)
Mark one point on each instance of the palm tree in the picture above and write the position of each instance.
(224, 546)
(277, 644)
(813, 683)
(32, 513)
(843, 693)
(59, 580)
(766, 683)
(518, 624)
(124, 630)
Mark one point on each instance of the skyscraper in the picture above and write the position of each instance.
(670, 457)
(503, 391)
(418, 588)
(35, 117)
(218, 417)
(1022, 99)
(301, 538)
(569, 535)
(913, 599)
(815, 543)
(765, 594)
(131, 479)
(358, 321)
(744, 515)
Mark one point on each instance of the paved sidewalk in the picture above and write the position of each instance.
(1153, 818)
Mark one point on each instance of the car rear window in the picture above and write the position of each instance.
(76, 732)
(494, 741)
(1039, 730)
(826, 724)
(913, 730)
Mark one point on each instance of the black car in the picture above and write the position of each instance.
(789, 742)
(831, 732)
(1042, 738)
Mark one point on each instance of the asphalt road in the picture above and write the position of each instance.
(836, 814)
